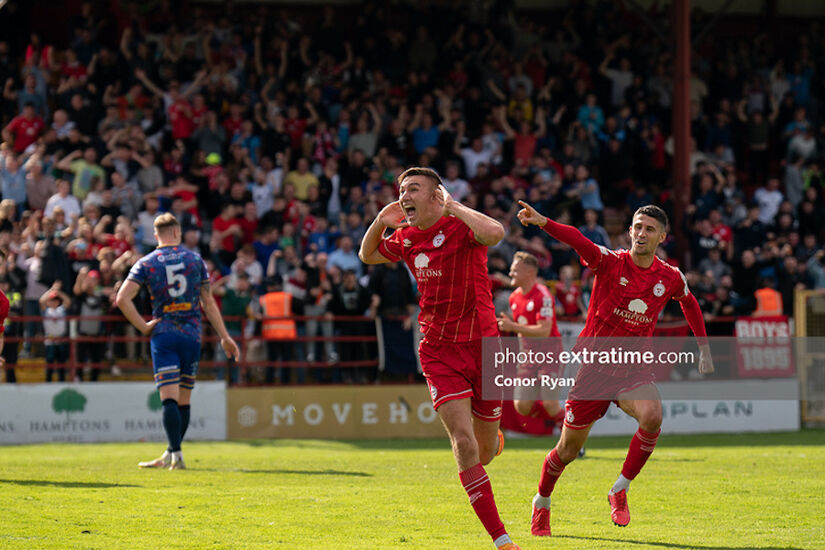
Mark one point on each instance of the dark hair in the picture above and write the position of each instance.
(654, 212)
(420, 171)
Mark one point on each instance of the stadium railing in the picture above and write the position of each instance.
(141, 362)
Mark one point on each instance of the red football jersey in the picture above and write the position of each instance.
(537, 305)
(4, 311)
(569, 298)
(450, 267)
(25, 131)
(628, 299)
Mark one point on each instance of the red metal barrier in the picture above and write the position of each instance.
(208, 336)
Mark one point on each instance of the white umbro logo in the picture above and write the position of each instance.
(407, 243)
(623, 281)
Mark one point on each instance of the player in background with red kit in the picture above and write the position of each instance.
(534, 316)
(630, 290)
(4, 312)
(444, 243)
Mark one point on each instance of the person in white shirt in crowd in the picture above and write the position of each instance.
(66, 201)
(456, 186)
(769, 198)
(54, 305)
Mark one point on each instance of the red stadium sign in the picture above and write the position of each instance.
(764, 347)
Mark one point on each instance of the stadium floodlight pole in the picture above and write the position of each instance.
(681, 123)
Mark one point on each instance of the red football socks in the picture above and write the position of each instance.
(477, 485)
(641, 447)
(550, 472)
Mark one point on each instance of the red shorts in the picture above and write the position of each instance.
(583, 406)
(453, 371)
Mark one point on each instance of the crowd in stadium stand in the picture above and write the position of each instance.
(276, 137)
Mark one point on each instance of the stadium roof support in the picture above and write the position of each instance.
(681, 123)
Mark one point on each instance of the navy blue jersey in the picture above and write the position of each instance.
(173, 275)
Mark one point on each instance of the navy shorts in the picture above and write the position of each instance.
(175, 360)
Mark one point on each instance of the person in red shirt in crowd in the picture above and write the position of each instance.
(227, 233)
(134, 98)
(232, 123)
(295, 125)
(199, 109)
(176, 102)
(122, 240)
(72, 68)
(568, 294)
(249, 222)
(4, 312)
(444, 243)
(631, 289)
(722, 232)
(24, 129)
(524, 141)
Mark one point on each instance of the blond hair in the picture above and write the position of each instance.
(165, 223)
(526, 258)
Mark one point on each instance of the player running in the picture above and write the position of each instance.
(178, 285)
(533, 308)
(445, 243)
(627, 283)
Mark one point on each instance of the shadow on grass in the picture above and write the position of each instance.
(291, 472)
(804, 438)
(676, 545)
(66, 484)
(659, 458)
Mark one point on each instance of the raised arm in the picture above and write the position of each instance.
(391, 216)
(502, 119)
(259, 66)
(210, 307)
(125, 38)
(148, 83)
(486, 230)
(65, 163)
(199, 78)
(567, 234)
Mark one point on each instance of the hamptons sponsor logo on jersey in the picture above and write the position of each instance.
(388, 411)
(422, 268)
(634, 313)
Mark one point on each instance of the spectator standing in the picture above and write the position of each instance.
(392, 304)
(350, 298)
(90, 303)
(54, 304)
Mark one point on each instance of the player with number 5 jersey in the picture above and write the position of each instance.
(178, 284)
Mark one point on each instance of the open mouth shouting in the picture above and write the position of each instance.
(410, 212)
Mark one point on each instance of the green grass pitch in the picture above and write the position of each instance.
(697, 492)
